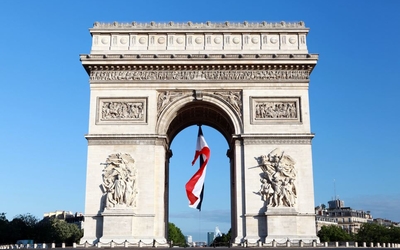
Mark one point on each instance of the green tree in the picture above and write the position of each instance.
(394, 233)
(175, 235)
(4, 229)
(22, 227)
(223, 240)
(372, 232)
(44, 231)
(333, 233)
(53, 230)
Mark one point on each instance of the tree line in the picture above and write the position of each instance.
(47, 230)
(369, 232)
(52, 230)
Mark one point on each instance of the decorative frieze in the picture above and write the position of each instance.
(121, 110)
(206, 37)
(199, 75)
(282, 109)
(190, 25)
(278, 140)
(125, 139)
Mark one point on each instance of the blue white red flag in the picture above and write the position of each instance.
(195, 186)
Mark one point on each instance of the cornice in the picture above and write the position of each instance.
(199, 62)
(186, 56)
(126, 139)
(202, 25)
(258, 139)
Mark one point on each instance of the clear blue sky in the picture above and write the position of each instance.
(354, 102)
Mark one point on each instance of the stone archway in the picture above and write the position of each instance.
(202, 108)
(247, 80)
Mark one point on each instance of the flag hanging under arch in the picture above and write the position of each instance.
(195, 186)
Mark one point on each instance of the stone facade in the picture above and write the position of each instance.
(148, 81)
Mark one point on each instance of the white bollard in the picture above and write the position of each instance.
(336, 244)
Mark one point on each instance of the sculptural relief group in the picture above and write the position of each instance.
(278, 187)
(119, 182)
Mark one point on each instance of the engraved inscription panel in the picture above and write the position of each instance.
(121, 110)
(277, 109)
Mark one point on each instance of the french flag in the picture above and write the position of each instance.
(195, 186)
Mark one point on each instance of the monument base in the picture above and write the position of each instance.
(286, 224)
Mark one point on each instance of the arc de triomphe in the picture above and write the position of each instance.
(148, 81)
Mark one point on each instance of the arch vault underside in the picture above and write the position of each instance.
(148, 81)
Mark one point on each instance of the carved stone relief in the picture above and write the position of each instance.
(121, 110)
(233, 98)
(202, 75)
(278, 178)
(275, 109)
(119, 182)
(166, 97)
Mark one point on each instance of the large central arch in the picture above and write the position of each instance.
(149, 81)
(205, 109)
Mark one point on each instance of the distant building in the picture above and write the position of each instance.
(189, 240)
(345, 217)
(68, 216)
(199, 244)
(323, 220)
(385, 222)
(210, 238)
(61, 215)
